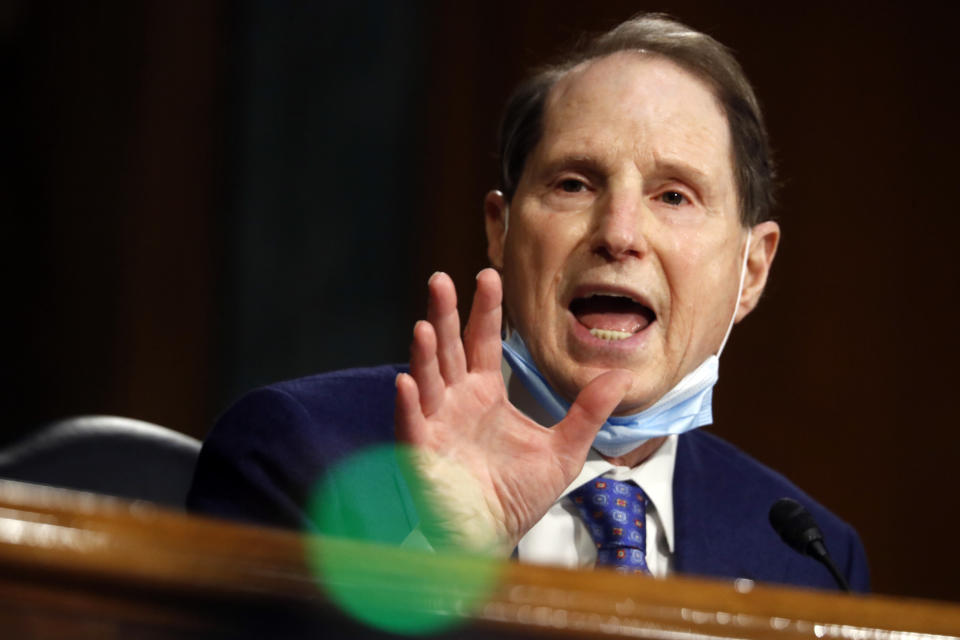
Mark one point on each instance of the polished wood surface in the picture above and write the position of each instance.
(86, 566)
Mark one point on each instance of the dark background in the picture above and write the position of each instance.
(202, 197)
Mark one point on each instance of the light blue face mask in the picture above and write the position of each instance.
(686, 406)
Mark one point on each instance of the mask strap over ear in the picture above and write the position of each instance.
(736, 305)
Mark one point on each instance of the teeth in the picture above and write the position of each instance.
(608, 334)
(609, 295)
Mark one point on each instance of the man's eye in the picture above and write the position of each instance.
(571, 185)
(674, 198)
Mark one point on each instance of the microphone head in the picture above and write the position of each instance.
(796, 526)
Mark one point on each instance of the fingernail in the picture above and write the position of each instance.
(434, 275)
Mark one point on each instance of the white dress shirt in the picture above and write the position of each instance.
(561, 538)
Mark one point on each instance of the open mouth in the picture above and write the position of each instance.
(611, 317)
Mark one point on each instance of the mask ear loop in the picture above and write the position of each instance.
(505, 330)
(736, 305)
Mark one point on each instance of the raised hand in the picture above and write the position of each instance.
(490, 472)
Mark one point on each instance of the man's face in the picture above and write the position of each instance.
(624, 243)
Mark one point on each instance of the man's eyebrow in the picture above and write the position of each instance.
(681, 169)
(575, 161)
(695, 176)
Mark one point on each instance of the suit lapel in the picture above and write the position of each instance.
(705, 515)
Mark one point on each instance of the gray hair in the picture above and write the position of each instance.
(697, 53)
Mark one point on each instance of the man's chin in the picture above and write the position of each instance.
(642, 394)
(629, 408)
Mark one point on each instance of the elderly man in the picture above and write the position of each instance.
(630, 233)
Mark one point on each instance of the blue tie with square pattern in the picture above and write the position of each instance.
(615, 514)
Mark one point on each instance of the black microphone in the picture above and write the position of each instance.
(798, 529)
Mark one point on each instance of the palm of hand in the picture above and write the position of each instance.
(490, 472)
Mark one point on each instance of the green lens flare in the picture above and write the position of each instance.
(371, 558)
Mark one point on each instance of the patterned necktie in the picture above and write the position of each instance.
(615, 515)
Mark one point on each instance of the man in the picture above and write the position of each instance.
(630, 234)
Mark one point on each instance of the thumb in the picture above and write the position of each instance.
(590, 410)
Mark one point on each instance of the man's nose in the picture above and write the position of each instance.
(619, 226)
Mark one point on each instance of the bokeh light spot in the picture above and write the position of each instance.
(371, 557)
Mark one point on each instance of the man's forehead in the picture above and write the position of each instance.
(641, 103)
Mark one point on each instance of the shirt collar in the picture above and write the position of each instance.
(654, 475)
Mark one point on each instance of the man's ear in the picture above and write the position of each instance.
(764, 238)
(495, 211)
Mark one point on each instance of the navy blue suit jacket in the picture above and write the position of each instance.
(267, 453)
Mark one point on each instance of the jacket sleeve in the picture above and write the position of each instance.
(856, 571)
(258, 463)
(314, 454)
